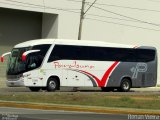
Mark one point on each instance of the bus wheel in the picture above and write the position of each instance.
(34, 89)
(107, 89)
(125, 85)
(52, 84)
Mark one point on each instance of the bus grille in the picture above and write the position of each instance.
(13, 77)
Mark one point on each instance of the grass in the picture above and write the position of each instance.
(90, 99)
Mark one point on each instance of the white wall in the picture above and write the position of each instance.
(49, 25)
(95, 30)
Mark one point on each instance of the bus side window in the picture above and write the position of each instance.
(129, 55)
(55, 54)
(145, 55)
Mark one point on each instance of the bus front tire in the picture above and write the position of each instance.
(125, 85)
(34, 89)
(52, 84)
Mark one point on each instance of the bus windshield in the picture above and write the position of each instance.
(15, 63)
(17, 66)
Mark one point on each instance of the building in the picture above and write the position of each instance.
(129, 22)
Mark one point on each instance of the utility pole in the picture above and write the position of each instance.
(82, 17)
(81, 20)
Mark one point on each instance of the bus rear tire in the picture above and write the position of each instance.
(125, 85)
(34, 89)
(52, 84)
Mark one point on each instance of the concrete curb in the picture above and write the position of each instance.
(78, 108)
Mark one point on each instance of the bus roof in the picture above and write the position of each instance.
(71, 42)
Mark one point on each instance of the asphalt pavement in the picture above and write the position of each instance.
(133, 91)
(8, 113)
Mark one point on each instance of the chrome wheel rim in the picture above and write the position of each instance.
(52, 84)
(125, 85)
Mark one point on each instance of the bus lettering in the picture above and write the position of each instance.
(74, 65)
(140, 67)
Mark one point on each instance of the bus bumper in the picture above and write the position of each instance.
(16, 83)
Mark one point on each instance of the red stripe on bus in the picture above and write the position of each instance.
(102, 82)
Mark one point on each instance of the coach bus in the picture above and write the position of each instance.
(48, 64)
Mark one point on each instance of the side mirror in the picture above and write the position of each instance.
(2, 59)
(5, 54)
(24, 55)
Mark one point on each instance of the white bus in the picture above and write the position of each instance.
(49, 64)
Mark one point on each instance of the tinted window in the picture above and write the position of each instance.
(67, 52)
(34, 60)
(145, 55)
(43, 48)
(100, 54)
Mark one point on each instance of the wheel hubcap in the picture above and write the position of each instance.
(52, 84)
(125, 85)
